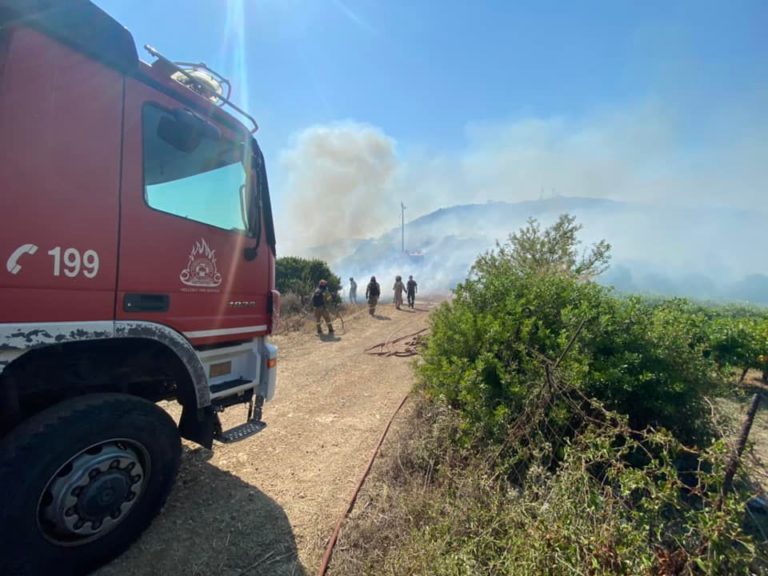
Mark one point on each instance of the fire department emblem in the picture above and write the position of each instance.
(201, 268)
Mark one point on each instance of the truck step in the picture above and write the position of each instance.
(242, 432)
(219, 389)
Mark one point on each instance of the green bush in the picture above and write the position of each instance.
(554, 436)
(643, 359)
(300, 276)
(738, 339)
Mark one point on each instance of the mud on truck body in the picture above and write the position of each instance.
(137, 255)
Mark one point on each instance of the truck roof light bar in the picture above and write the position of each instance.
(202, 80)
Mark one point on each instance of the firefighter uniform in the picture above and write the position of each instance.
(411, 290)
(398, 288)
(321, 299)
(372, 293)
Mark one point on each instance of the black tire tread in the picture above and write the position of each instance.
(31, 435)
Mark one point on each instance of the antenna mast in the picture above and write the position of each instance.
(402, 225)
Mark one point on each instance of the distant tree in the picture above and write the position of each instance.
(300, 276)
(553, 250)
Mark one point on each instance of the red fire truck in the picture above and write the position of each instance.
(137, 255)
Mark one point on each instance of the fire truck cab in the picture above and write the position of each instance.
(137, 265)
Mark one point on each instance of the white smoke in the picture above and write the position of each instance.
(646, 153)
(693, 187)
(339, 181)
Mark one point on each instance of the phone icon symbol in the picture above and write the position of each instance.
(12, 265)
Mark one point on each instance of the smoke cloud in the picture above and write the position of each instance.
(339, 180)
(651, 153)
(693, 191)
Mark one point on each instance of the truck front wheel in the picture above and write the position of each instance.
(81, 480)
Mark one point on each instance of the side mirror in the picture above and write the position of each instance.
(185, 130)
(252, 208)
(253, 216)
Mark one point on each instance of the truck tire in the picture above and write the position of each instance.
(81, 480)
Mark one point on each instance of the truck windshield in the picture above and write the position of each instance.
(204, 184)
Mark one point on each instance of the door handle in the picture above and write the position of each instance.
(146, 302)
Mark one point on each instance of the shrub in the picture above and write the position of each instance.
(291, 305)
(540, 445)
(434, 509)
(738, 339)
(642, 359)
(554, 250)
(300, 276)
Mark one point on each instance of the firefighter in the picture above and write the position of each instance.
(398, 288)
(321, 299)
(352, 291)
(411, 290)
(372, 293)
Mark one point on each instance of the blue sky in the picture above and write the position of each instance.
(460, 91)
(421, 70)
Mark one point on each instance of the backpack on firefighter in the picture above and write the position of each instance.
(318, 298)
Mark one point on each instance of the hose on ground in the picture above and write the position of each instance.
(410, 347)
(335, 536)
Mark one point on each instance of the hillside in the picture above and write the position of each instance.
(710, 253)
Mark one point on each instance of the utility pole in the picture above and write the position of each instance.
(402, 226)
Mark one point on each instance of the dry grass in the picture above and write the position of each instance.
(431, 507)
(298, 317)
(401, 489)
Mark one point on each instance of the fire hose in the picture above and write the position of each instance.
(335, 536)
(382, 349)
(410, 347)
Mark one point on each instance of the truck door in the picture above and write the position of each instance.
(186, 259)
(60, 124)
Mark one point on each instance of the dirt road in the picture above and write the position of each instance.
(266, 505)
